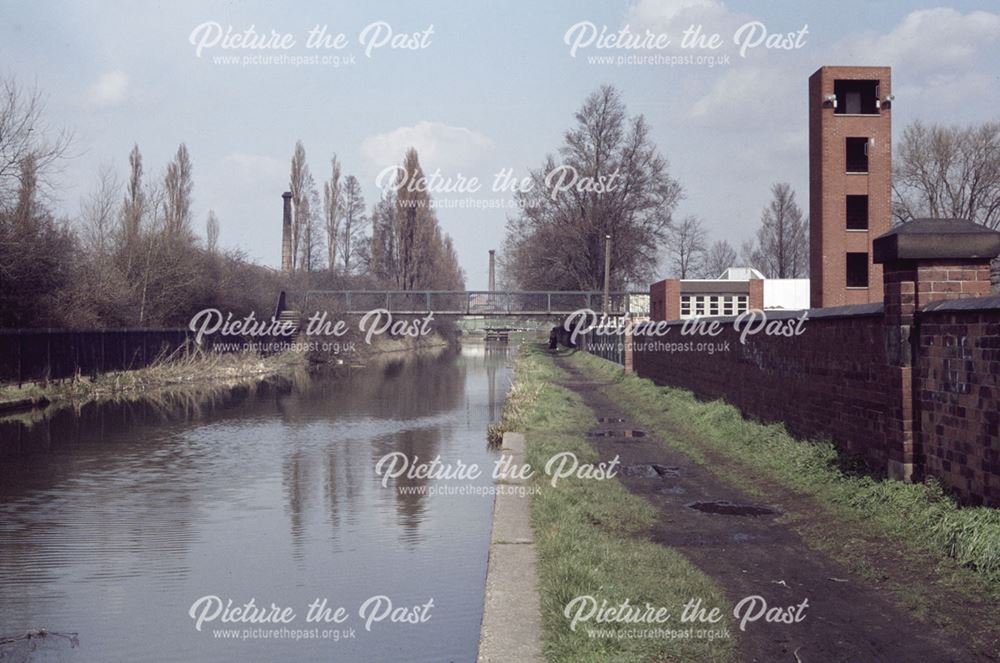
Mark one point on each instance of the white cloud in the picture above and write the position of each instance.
(937, 56)
(674, 16)
(110, 89)
(439, 145)
(928, 42)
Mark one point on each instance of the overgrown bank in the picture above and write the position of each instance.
(591, 537)
(185, 368)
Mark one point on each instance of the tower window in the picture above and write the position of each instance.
(857, 155)
(856, 97)
(857, 212)
(857, 270)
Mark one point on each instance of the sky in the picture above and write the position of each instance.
(479, 89)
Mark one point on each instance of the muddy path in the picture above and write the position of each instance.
(744, 546)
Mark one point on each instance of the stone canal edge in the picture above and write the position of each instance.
(512, 621)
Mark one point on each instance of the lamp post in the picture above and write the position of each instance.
(607, 275)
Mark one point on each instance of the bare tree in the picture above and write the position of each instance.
(610, 180)
(416, 225)
(134, 205)
(99, 210)
(409, 251)
(384, 249)
(750, 253)
(331, 212)
(24, 133)
(720, 257)
(354, 219)
(27, 195)
(212, 233)
(948, 172)
(297, 185)
(781, 247)
(307, 214)
(687, 248)
(177, 187)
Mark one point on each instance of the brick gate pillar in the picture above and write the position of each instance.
(925, 260)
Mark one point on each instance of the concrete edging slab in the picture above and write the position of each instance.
(512, 620)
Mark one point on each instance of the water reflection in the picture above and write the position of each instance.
(115, 517)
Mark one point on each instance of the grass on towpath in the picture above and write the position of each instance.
(908, 538)
(589, 535)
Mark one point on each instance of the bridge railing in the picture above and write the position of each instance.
(475, 302)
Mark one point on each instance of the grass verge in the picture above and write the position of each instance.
(590, 536)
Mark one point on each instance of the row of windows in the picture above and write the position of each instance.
(696, 306)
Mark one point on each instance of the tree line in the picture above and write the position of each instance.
(130, 256)
(398, 245)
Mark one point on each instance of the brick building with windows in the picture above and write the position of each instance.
(737, 290)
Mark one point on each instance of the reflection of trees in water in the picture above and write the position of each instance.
(420, 388)
(389, 387)
(123, 446)
(397, 387)
(296, 479)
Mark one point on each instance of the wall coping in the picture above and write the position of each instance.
(990, 303)
(936, 239)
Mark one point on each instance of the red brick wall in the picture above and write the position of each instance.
(843, 379)
(957, 393)
(827, 382)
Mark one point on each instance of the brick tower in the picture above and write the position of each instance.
(850, 179)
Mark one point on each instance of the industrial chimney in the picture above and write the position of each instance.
(493, 279)
(286, 234)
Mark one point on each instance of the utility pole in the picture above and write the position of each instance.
(607, 274)
(491, 298)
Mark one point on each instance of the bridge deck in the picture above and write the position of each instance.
(475, 303)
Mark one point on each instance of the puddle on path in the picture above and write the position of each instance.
(722, 507)
(650, 471)
(617, 433)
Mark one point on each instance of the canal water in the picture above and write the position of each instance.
(117, 518)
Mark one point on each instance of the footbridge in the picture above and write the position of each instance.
(485, 303)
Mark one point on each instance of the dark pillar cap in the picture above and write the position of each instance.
(935, 239)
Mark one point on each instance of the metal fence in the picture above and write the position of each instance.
(27, 355)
